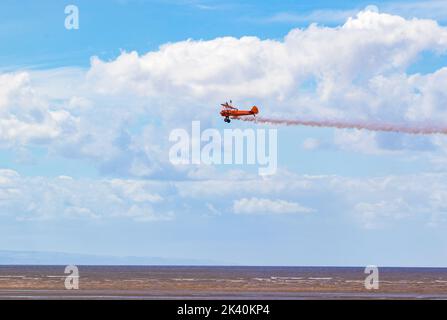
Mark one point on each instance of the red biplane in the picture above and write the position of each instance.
(228, 111)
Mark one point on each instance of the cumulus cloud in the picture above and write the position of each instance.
(44, 198)
(367, 45)
(25, 116)
(267, 206)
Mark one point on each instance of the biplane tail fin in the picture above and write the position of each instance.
(254, 110)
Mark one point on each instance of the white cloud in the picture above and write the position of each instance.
(43, 198)
(378, 214)
(433, 9)
(212, 211)
(367, 45)
(267, 206)
(311, 143)
(137, 191)
(357, 140)
(25, 116)
(428, 9)
(320, 16)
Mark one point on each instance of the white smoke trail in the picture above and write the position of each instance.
(421, 129)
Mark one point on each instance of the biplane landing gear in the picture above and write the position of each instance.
(227, 120)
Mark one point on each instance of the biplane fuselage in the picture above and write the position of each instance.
(229, 111)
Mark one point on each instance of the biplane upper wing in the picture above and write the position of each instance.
(226, 105)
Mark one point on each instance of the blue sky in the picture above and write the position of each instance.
(86, 116)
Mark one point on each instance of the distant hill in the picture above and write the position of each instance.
(60, 258)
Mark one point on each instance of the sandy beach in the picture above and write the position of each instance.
(163, 282)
